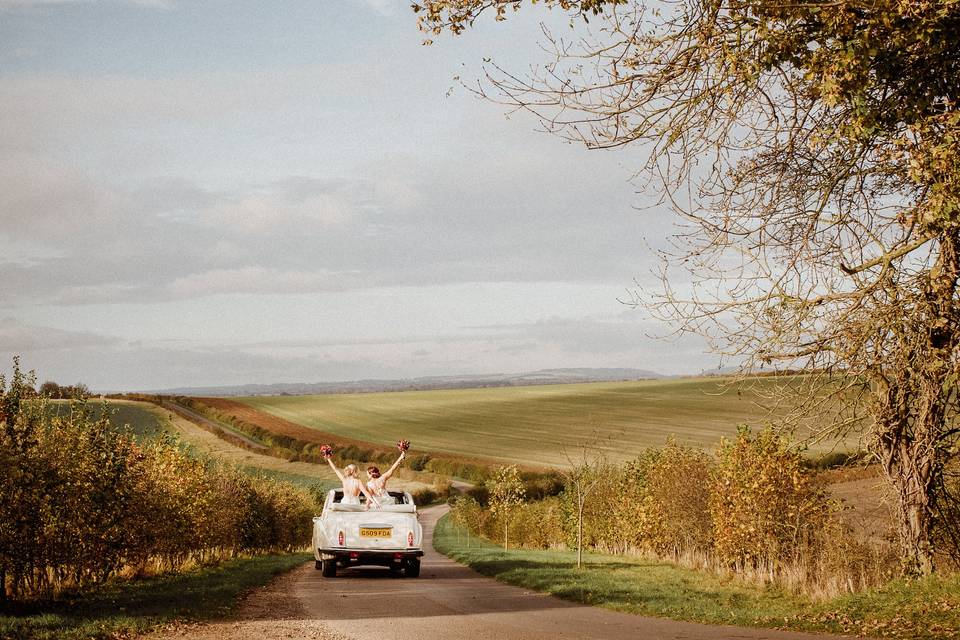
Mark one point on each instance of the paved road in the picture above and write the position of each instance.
(450, 602)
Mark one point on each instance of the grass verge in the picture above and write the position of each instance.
(125, 607)
(928, 608)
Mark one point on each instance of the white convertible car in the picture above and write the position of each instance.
(348, 535)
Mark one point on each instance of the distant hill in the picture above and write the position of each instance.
(543, 376)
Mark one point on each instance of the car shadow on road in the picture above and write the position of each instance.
(443, 589)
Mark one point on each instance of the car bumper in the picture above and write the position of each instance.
(380, 557)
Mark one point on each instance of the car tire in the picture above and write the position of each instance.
(329, 568)
(412, 570)
(317, 564)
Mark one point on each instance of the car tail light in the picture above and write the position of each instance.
(340, 538)
(410, 539)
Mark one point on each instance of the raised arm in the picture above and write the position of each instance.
(335, 470)
(386, 476)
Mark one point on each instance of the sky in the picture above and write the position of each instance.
(200, 193)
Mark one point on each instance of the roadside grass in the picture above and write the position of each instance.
(122, 608)
(924, 609)
(536, 425)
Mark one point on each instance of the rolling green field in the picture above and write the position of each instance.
(536, 424)
(142, 421)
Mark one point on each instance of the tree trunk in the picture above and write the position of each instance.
(579, 532)
(505, 526)
(911, 473)
(914, 391)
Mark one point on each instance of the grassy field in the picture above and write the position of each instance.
(139, 417)
(122, 608)
(304, 474)
(533, 425)
(927, 608)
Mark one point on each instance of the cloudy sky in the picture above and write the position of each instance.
(208, 192)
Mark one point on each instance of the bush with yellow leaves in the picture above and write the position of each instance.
(81, 502)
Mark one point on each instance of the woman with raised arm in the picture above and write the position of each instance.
(377, 484)
(352, 486)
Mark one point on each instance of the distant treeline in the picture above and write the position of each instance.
(51, 389)
(54, 391)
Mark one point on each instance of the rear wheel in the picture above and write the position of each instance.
(329, 568)
(412, 569)
(317, 565)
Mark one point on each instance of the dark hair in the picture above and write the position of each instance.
(373, 471)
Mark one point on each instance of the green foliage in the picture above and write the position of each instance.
(80, 500)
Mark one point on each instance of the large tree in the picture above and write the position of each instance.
(812, 149)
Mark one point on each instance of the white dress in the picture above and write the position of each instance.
(377, 488)
(347, 498)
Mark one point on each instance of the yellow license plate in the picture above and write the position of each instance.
(367, 532)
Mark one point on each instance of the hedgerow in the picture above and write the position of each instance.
(753, 508)
(81, 502)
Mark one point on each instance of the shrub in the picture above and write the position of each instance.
(80, 502)
(664, 500)
(428, 495)
(764, 504)
(539, 525)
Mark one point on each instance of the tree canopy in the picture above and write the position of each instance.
(813, 150)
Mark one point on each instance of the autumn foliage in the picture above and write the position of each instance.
(751, 508)
(81, 502)
(764, 505)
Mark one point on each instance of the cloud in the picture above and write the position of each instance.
(260, 213)
(152, 4)
(42, 198)
(386, 7)
(17, 337)
(254, 279)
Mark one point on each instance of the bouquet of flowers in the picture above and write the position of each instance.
(326, 451)
(403, 445)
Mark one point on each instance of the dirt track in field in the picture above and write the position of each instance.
(447, 602)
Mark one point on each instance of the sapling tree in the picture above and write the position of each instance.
(507, 495)
(582, 476)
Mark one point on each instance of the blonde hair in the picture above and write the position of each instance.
(350, 470)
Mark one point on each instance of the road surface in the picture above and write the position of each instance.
(447, 602)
